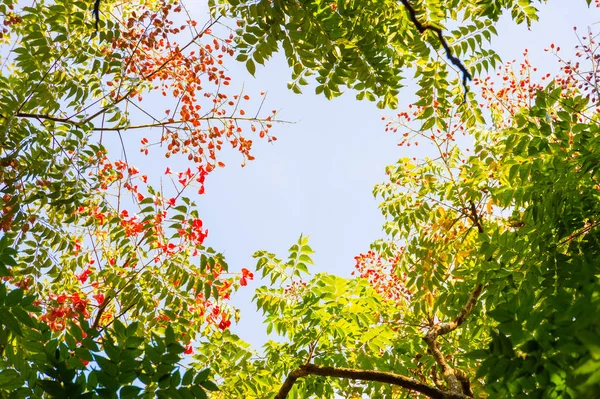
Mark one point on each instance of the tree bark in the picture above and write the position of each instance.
(365, 375)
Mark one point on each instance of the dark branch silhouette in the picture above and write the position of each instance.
(459, 386)
(365, 375)
(96, 13)
(421, 27)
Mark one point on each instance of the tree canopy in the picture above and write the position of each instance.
(369, 46)
(485, 284)
(103, 262)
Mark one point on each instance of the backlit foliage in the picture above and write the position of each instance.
(485, 283)
(514, 214)
(95, 251)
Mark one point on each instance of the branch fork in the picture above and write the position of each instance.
(459, 386)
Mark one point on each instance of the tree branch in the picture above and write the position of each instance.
(464, 382)
(466, 75)
(289, 383)
(447, 371)
(456, 379)
(475, 217)
(365, 375)
(142, 126)
(46, 117)
(445, 328)
(151, 74)
(436, 380)
(101, 310)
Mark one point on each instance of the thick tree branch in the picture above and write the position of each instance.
(447, 371)
(456, 379)
(464, 381)
(436, 380)
(421, 27)
(287, 385)
(445, 328)
(365, 375)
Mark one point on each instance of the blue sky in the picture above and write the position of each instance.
(318, 177)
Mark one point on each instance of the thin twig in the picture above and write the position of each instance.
(142, 126)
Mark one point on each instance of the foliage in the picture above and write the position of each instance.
(100, 262)
(488, 277)
(483, 286)
(369, 45)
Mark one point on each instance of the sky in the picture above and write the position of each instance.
(317, 178)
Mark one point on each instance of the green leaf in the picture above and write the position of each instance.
(129, 391)
(187, 377)
(209, 385)
(10, 321)
(198, 392)
(501, 315)
(592, 342)
(23, 317)
(169, 336)
(202, 376)
(251, 67)
(10, 379)
(54, 388)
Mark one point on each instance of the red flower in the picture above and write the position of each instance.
(246, 275)
(79, 304)
(224, 324)
(84, 275)
(188, 350)
(80, 307)
(99, 298)
(197, 224)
